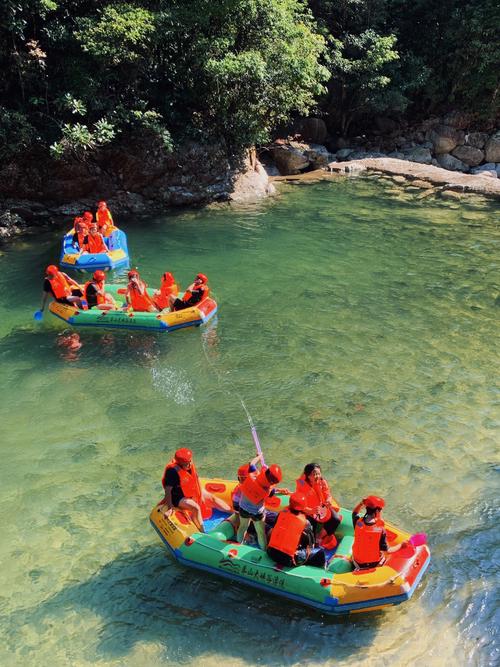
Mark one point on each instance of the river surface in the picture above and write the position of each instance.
(360, 327)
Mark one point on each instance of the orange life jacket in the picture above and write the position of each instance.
(189, 292)
(138, 297)
(317, 496)
(162, 299)
(80, 237)
(287, 532)
(104, 218)
(190, 484)
(101, 296)
(60, 285)
(95, 244)
(256, 487)
(366, 546)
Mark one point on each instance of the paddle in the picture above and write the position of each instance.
(38, 315)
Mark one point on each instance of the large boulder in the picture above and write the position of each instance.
(417, 154)
(251, 183)
(318, 156)
(311, 129)
(290, 158)
(344, 153)
(451, 163)
(445, 138)
(476, 139)
(468, 154)
(492, 148)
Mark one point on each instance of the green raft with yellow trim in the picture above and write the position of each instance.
(164, 321)
(335, 589)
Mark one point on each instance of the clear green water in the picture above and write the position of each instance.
(361, 330)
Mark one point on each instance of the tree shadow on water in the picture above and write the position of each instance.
(147, 597)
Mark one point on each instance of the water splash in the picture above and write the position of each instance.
(173, 384)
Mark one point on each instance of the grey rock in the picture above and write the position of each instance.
(418, 154)
(444, 138)
(289, 158)
(344, 153)
(488, 169)
(469, 155)
(492, 148)
(451, 163)
(318, 155)
(476, 139)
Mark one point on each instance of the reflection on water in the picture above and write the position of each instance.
(361, 331)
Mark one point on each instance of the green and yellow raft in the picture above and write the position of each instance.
(124, 319)
(337, 589)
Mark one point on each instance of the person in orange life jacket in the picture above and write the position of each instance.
(243, 472)
(104, 219)
(370, 538)
(61, 287)
(88, 218)
(168, 288)
(183, 491)
(94, 242)
(195, 293)
(292, 538)
(81, 231)
(95, 294)
(254, 491)
(137, 296)
(321, 511)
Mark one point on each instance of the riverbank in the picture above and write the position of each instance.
(434, 180)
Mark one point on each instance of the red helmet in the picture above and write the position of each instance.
(168, 278)
(374, 503)
(202, 277)
(133, 272)
(88, 215)
(99, 275)
(52, 270)
(273, 474)
(297, 502)
(183, 455)
(244, 470)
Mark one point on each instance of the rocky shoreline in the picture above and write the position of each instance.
(435, 180)
(442, 156)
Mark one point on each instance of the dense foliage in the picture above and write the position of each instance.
(79, 73)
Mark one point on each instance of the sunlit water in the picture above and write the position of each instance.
(361, 330)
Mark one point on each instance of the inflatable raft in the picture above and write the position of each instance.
(122, 319)
(337, 589)
(115, 258)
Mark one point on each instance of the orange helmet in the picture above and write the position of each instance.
(88, 216)
(244, 470)
(52, 270)
(297, 502)
(374, 503)
(202, 277)
(168, 278)
(99, 275)
(273, 474)
(183, 455)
